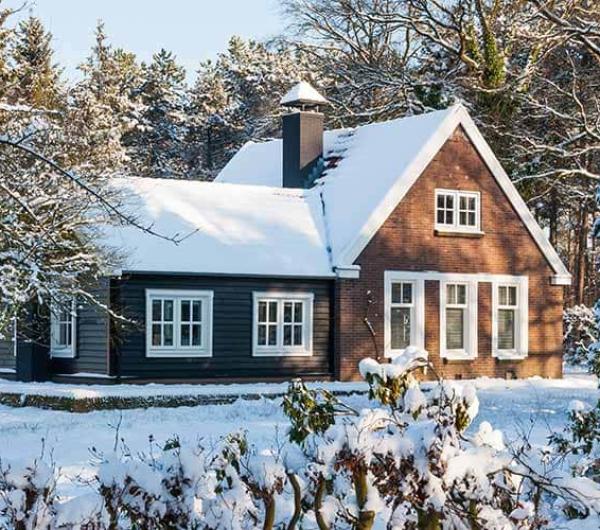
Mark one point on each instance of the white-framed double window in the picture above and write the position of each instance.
(510, 318)
(63, 330)
(457, 211)
(458, 319)
(283, 324)
(178, 323)
(404, 312)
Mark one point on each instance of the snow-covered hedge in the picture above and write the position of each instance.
(581, 337)
(409, 461)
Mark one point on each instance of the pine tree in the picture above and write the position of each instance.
(157, 147)
(39, 78)
(105, 107)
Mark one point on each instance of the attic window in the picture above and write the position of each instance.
(457, 211)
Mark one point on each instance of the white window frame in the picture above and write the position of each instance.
(521, 321)
(456, 226)
(470, 318)
(177, 350)
(58, 350)
(417, 330)
(279, 349)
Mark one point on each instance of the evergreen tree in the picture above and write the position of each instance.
(157, 146)
(105, 107)
(39, 78)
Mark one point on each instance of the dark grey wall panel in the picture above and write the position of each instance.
(232, 329)
(92, 337)
(7, 358)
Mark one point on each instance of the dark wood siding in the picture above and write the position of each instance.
(92, 337)
(232, 329)
(7, 357)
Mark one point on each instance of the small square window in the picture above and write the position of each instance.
(457, 210)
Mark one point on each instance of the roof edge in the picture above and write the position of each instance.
(457, 115)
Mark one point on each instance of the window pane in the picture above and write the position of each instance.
(462, 202)
(287, 335)
(471, 219)
(462, 218)
(156, 334)
(461, 294)
(62, 335)
(400, 326)
(440, 201)
(450, 202)
(168, 334)
(396, 293)
(449, 217)
(407, 293)
(156, 310)
(185, 335)
(197, 310)
(196, 335)
(506, 329)
(502, 295)
(298, 335)
(185, 310)
(440, 217)
(298, 312)
(287, 311)
(512, 296)
(262, 311)
(454, 329)
(472, 204)
(272, 311)
(450, 294)
(272, 335)
(262, 335)
(168, 310)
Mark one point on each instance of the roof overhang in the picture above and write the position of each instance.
(457, 117)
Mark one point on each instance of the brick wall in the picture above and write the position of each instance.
(406, 241)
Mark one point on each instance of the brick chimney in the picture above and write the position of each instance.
(302, 135)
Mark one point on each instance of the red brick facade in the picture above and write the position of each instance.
(407, 241)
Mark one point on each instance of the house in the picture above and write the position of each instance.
(307, 254)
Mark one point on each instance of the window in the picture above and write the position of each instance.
(404, 312)
(458, 319)
(510, 318)
(282, 324)
(62, 331)
(178, 323)
(457, 211)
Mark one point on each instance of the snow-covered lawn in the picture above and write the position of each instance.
(532, 406)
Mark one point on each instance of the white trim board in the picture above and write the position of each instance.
(457, 116)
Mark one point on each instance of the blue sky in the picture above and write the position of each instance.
(193, 29)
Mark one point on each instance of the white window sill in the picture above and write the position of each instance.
(457, 231)
(509, 355)
(281, 353)
(458, 356)
(62, 354)
(173, 354)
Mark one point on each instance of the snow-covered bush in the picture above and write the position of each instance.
(411, 460)
(581, 335)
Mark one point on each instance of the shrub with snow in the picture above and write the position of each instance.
(407, 462)
(581, 336)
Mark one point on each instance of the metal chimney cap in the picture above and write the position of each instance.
(303, 95)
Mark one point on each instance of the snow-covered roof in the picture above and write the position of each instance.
(249, 230)
(303, 92)
(248, 224)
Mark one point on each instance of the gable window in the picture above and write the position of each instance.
(510, 319)
(404, 312)
(457, 211)
(63, 331)
(458, 319)
(283, 324)
(178, 323)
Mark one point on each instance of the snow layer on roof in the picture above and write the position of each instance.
(303, 92)
(369, 161)
(250, 230)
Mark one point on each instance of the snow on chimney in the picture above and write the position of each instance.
(302, 135)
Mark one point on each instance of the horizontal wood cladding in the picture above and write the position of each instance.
(7, 357)
(407, 240)
(232, 329)
(91, 352)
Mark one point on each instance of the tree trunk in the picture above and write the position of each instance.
(269, 512)
(297, 501)
(366, 518)
(319, 494)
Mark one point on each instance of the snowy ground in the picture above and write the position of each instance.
(533, 406)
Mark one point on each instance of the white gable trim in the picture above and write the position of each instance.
(457, 115)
